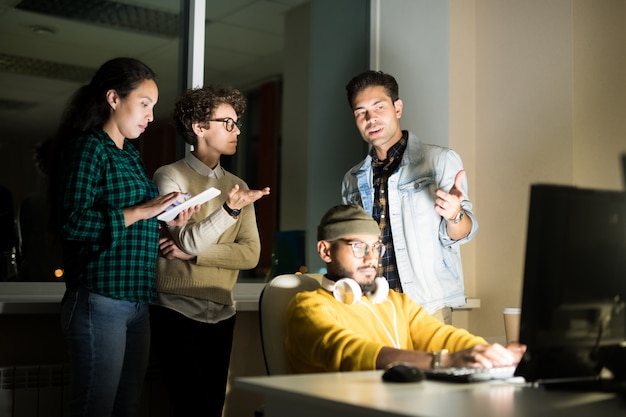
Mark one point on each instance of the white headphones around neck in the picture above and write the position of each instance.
(349, 292)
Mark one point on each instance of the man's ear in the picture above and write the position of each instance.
(323, 249)
(112, 98)
(398, 105)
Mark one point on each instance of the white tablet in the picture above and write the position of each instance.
(172, 211)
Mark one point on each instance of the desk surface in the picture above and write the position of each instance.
(364, 394)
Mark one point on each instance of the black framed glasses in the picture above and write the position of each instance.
(361, 249)
(229, 123)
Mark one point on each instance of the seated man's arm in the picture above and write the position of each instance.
(430, 335)
(479, 356)
(320, 337)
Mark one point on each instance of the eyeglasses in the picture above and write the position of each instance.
(361, 249)
(229, 123)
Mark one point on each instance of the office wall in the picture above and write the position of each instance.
(524, 135)
(410, 40)
(599, 102)
(536, 93)
(327, 44)
(544, 120)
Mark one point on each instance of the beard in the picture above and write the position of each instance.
(368, 288)
(337, 273)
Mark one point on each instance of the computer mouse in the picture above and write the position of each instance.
(403, 372)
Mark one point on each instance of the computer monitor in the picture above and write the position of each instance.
(574, 292)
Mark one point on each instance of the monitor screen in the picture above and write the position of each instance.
(574, 292)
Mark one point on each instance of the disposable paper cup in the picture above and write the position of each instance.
(511, 324)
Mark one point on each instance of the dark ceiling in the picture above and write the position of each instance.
(51, 47)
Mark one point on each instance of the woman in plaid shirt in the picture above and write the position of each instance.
(104, 207)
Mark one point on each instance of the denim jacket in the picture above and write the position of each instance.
(428, 260)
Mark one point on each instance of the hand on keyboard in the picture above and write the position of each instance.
(485, 356)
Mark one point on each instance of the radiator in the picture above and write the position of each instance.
(42, 391)
(33, 391)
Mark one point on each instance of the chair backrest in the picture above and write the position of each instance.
(272, 308)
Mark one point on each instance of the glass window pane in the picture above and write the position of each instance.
(48, 50)
(244, 48)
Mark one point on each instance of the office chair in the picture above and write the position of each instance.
(273, 303)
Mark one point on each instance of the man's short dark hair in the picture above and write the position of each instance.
(372, 78)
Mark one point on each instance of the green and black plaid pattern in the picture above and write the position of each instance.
(98, 180)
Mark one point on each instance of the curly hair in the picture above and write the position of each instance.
(198, 104)
(371, 79)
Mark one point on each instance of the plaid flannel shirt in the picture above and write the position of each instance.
(381, 172)
(96, 181)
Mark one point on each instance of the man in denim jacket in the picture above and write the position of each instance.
(418, 195)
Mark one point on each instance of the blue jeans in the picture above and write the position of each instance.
(109, 347)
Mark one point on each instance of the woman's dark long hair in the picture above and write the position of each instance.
(88, 107)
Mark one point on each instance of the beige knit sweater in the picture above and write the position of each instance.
(223, 245)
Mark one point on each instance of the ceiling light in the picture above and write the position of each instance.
(42, 30)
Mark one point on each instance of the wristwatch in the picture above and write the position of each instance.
(437, 358)
(231, 212)
(458, 217)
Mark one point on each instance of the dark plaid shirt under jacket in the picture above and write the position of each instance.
(382, 170)
(97, 180)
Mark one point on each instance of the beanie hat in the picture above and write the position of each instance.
(344, 220)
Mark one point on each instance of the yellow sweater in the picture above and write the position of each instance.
(223, 245)
(325, 335)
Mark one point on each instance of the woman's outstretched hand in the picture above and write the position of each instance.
(238, 198)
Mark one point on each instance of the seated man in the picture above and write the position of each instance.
(355, 323)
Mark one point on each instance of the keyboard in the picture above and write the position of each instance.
(470, 374)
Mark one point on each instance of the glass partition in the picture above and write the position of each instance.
(49, 50)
